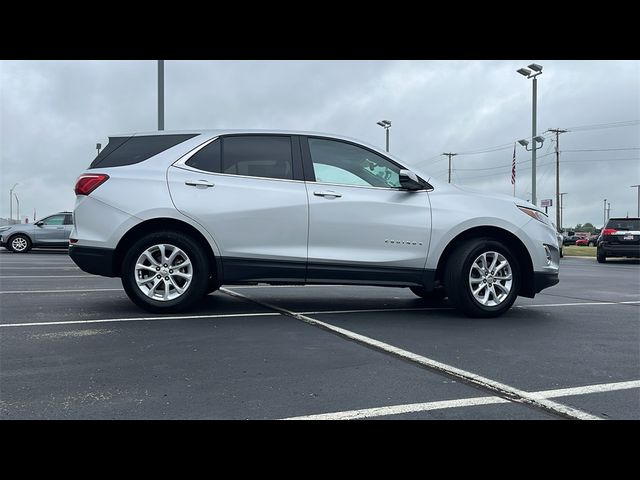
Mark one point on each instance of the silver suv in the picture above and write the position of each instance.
(176, 215)
(50, 232)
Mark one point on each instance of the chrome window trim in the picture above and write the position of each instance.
(196, 170)
(370, 187)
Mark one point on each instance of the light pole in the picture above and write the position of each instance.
(11, 202)
(638, 187)
(160, 94)
(18, 204)
(537, 70)
(386, 124)
(525, 143)
(604, 223)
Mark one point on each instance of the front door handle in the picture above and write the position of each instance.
(199, 183)
(327, 193)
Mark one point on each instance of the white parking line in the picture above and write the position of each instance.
(513, 393)
(70, 267)
(465, 402)
(577, 304)
(66, 291)
(139, 319)
(48, 276)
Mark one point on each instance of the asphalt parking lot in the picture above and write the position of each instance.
(72, 346)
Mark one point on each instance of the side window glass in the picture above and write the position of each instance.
(343, 163)
(258, 156)
(54, 220)
(207, 158)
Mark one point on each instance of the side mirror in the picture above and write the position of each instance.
(39, 224)
(410, 181)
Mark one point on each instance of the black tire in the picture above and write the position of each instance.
(457, 278)
(561, 253)
(600, 256)
(20, 239)
(199, 280)
(591, 244)
(434, 297)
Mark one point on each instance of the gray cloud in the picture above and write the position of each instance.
(53, 113)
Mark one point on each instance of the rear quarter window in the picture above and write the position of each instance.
(122, 151)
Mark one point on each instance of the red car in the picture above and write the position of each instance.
(590, 241)
(583, 242)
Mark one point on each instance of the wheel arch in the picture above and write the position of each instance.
(158, 224)
(24, 234)
(501, 235)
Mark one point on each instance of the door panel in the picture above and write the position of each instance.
(252, 220)
(368, 227)
(362, 225)
(52, 232)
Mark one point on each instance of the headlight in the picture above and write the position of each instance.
(541, 217)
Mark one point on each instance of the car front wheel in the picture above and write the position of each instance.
(20, 244)
(165, 272)
(482, 278)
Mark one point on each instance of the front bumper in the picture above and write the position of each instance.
(95, 260)
(542, 280)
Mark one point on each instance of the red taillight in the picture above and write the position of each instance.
(608, 231)
(87, 183)
(73, 240)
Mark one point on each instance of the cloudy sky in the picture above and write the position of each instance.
(54, 112)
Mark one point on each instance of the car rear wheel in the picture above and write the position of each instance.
(482, 278)
(600, 256)
(19, 244)
(165, 272)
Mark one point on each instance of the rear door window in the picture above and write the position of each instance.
(268, 156)
(122, 151)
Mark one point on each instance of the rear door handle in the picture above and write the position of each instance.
(327, 193)
(199, 183)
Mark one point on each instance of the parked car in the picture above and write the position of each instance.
(176, 215)
(590, 241)
(571, 239)
(50, 232)
(619, 238)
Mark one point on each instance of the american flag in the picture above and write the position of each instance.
(513, 166)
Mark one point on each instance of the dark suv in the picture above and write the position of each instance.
(619, 238)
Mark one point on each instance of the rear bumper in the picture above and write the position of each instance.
(95, 260)
(620, 250)
(542, 280)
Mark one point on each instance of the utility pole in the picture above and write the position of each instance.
(557, 131)
(450, 155)
(160, 94)
(562, 194)
(608, 210)
(604, 222)
(638, 187)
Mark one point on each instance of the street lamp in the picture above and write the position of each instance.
(532, 72)
(11, 202)
(525, 143)
(18, 203)
(386, 124)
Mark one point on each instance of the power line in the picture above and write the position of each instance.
(601, 149)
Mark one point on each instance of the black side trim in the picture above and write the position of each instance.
(95, 260)
(542, 280)
(242, 270)
(238, 270)
(369, 275)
